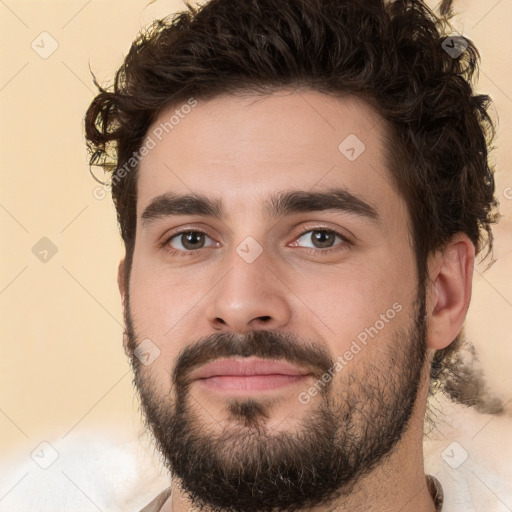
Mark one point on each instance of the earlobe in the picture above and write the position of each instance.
(125, 344)
(449, 294)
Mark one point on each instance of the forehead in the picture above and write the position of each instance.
(244, 148)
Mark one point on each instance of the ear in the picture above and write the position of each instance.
(449, 290)
(121, 281)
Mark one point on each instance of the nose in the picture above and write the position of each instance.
(250, 296)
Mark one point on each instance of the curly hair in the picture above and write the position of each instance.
(393, 54)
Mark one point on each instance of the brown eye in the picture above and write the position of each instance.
(188, 240)
(320, 238)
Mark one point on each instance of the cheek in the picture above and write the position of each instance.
(160, 308)
(161, 298)
(361, 302)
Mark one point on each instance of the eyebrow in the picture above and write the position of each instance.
(279, 204)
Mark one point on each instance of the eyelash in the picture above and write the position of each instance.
(178, 252)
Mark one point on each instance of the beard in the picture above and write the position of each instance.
(357, 420)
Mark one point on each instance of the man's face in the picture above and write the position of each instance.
(327, 296)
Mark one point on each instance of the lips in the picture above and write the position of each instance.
(246, 367)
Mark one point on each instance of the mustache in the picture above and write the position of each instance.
(265, 344)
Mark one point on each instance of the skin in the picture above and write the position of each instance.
(241, 149)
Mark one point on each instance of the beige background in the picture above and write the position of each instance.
(63, 373)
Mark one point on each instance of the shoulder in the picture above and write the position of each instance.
(156, 504)
(471, 456)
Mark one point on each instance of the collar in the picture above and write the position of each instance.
(436, 491)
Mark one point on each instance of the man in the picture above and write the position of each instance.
(301, 187)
